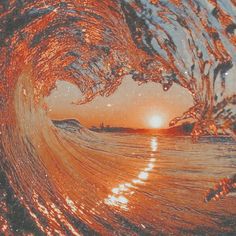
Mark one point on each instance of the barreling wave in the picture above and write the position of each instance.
(95, 45)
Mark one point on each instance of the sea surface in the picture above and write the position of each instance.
(67, 180)
(157, 184)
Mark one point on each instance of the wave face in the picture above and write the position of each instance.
(57, 178)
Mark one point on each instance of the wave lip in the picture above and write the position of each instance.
(69, 124)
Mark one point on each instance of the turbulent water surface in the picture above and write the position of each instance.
(62, 179)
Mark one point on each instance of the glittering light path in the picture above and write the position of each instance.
(121, 193)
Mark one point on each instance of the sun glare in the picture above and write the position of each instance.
(155, 121)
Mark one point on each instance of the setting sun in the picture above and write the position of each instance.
(155, 121)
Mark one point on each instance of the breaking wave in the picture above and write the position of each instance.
(57, 175)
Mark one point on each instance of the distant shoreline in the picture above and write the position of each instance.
(184, 129)
(180, 130)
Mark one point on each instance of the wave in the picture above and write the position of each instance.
(95, 45)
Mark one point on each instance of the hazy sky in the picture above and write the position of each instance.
(131, 105)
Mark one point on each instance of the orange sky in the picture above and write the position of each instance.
(131, 105)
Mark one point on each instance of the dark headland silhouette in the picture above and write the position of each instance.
(183, 129)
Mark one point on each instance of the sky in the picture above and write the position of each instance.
(131, 105)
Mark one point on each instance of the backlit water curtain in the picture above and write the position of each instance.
(58, 182)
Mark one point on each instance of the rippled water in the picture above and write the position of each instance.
(54, 181)
(168, 187)
(152, 184)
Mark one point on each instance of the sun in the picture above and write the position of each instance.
(155, 121)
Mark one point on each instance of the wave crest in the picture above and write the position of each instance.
(95, 45)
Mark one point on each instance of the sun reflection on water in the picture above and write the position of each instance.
(119, 196)
(154, 144)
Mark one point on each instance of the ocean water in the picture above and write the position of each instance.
(157, 184)
(67, 180)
